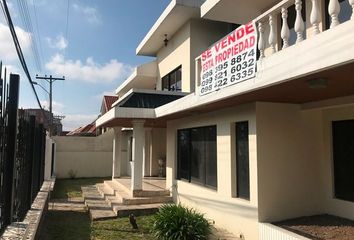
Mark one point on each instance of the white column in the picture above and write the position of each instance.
(272, 34)
(299, 26)
(285, 32)
(333, 11)
(138, 155)
(261, 42)
(315, 17)
(117, 152)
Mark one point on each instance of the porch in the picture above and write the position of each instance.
(114, 198)
(151, 186)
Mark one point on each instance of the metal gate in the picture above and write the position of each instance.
(22, 149)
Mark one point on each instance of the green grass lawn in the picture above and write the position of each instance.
(69, 188)
(120, 228)
(76, 225)
(68, 225)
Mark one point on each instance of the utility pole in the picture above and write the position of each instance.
(50, 80)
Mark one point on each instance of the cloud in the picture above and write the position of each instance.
(73, 121)
(59, 42)
(90, 13)
(89, 71)
(104, 93)
(7, 48)
(57, 107)
(10, 69)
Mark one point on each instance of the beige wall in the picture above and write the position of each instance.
(48, 158)
(290, 165)
(185, 45)
(288, 176)
(175, 54)
(295, 165)
(236, 215)
(87, 156)
(158, 149)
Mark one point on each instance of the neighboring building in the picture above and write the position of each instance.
(86, 131)
(274, 146)
(106, 105)
(43, 116)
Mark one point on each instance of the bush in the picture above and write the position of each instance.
(176, 222)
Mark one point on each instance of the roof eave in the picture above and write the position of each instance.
(191, 8)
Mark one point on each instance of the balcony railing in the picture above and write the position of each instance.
(292, 21)
(267, 22)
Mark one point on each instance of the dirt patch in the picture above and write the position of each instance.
(320, 227)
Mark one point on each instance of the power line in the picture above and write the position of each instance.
(38, 32)
(67, 20)
(19, 50)
(26, 20)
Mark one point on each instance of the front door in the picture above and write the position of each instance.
(343, 159)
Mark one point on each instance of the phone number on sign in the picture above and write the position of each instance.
(237, 69)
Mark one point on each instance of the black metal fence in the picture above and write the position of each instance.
(22, 154)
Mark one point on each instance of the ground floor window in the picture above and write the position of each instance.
(196, 155)
(343, 159)
(242, 161)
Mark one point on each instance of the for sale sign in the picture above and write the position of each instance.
(230, 61)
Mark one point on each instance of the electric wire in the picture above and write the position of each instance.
(38, 32)
(26, 20)
(19, 51)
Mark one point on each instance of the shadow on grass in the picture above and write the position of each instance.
(67, 225)
(68, 188)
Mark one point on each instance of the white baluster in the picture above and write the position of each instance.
(299, 26)
(285, 33)
(271, 39)
(315, 17)
(261, 44)
(351, 2)
(333, 10)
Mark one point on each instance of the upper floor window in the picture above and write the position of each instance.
(173, 81)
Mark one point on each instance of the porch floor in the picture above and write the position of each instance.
(149, 183)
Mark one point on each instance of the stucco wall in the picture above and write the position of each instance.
(87, 156)
(295, 164)
(176, 53)
(185, 45)
(288, 176)
(236, 215)
(48, 158)
(158, 149)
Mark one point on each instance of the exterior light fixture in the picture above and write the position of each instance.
(317, 83)
(165, 40)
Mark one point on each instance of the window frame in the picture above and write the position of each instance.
(205, 164)
(169, 86)
(237, 166)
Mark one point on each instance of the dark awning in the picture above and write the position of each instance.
(147, 100)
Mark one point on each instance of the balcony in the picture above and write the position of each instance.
(305, 55)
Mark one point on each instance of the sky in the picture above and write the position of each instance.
(90, 42)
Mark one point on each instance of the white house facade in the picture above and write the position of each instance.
(249, 150)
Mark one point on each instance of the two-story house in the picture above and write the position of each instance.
(245, 150)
